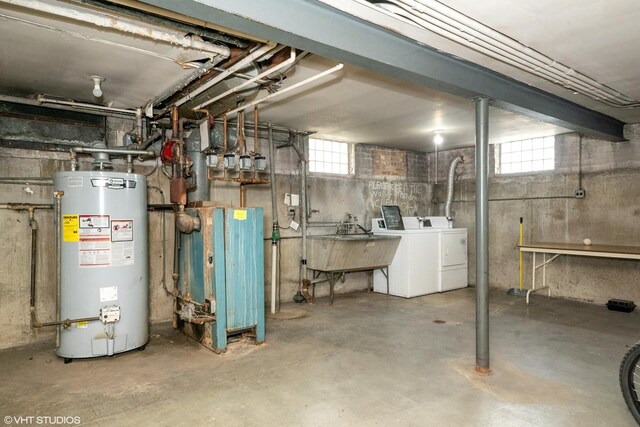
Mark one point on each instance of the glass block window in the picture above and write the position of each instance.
(529, 155)
(329, 156)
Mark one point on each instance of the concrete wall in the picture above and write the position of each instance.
(331, 196)
(608, 215)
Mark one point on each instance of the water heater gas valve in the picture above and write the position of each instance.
(110, 314)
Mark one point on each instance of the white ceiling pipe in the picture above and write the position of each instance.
(463, 24)
(290, 88)
(488, 47)
(124, 25)
(235, 89)
(261, 51)
(458, 27)
(42, 100)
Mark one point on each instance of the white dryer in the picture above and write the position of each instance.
(431, 258)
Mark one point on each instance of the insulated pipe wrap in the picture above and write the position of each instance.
(452, 173)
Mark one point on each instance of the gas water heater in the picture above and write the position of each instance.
(103, 263)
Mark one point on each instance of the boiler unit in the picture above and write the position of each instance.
(221, 284)
(103, 263)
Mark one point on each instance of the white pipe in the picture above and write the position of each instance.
(471, 33)
(272, 70)
(42, 100)
(124, 25)
(290, 88)
(453, 25)
(261, 51)
(274, 274)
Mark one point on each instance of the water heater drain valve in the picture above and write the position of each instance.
(110, 314)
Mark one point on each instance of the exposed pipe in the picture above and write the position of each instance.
(482, 236)
(58, 224)
(25, 180)
(24, 206)
(122, 24)
(450, 182)
(275, 232)
(34, 253)
(453, 25)
(259, 52)
(83, 105)
(288, 89)
(303, 214)
(164, 240)
(235, 89)
(186, 223)
(256, 139)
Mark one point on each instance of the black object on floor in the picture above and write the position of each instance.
(621, 305)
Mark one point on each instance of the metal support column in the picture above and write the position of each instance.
(482, 236)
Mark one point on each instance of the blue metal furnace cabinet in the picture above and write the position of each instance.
(221, 284)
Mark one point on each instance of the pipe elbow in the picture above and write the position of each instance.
(186, 223)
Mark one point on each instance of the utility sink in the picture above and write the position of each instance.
(351, 252)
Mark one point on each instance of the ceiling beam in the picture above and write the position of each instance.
(320, 29)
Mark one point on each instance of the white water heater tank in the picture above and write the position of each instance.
(103, 263)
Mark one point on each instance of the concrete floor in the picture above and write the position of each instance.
(368, 360)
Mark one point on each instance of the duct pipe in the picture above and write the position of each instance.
(253, 56)
(199, 159)
(233, 90)
(122, 24)
(452, 174)
(275, 233)
(288, 89)
(58, 224)
(482, 236)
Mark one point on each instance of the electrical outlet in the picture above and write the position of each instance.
(291, 211)
(580, 193)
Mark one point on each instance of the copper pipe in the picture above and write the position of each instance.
(174, 122)
(242, 195)
(206, 112)
(66, 323)
(238, 179)
(256, 144)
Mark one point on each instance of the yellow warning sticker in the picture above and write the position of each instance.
(240, 214)
(70, 228)
(82, 325)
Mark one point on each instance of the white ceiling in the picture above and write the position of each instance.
(42, 54)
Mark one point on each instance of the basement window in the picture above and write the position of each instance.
(529, 155)
(329, 157)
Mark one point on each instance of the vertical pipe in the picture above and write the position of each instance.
(242, 195)
(34, 253)
(303, 209)
(275, 234)
(256, 143)
(482, 236)
(240, 132)
(58, 224)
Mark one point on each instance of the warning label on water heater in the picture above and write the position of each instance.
(103, 242)
(122, 242)
(94, 241)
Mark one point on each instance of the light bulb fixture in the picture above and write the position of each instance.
(97, 81)
(438, 138)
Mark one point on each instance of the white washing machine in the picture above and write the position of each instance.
(431, 258)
